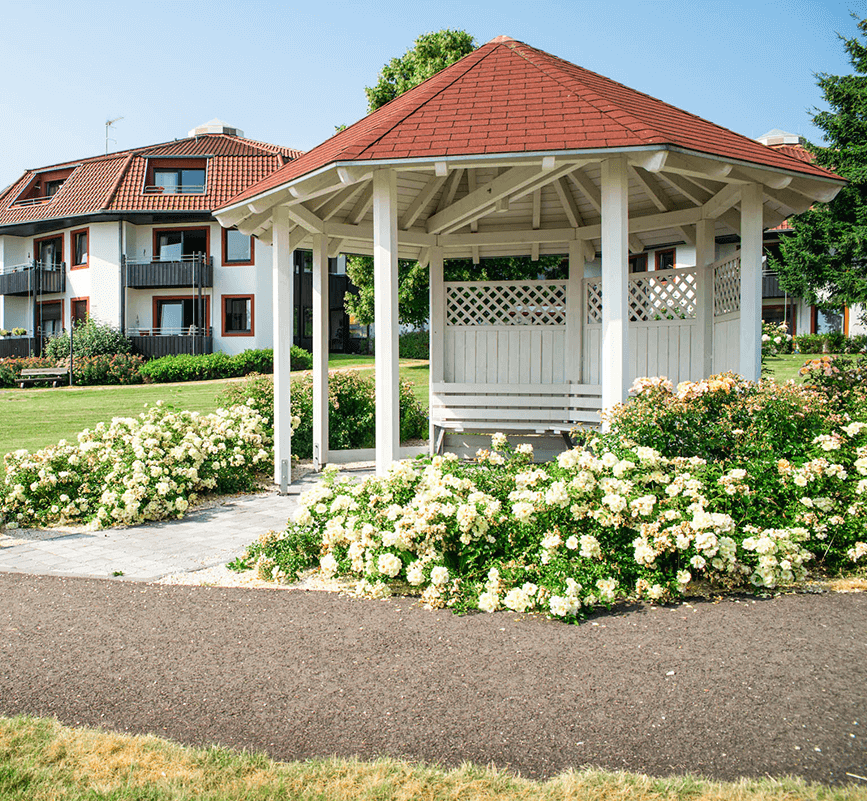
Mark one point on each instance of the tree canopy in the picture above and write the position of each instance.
(430, 53)
(825, 260)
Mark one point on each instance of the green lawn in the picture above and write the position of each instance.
(785, 366)
(34, 418)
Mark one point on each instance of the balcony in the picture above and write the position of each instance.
(189, 271)
(32, 278)
(154, 342)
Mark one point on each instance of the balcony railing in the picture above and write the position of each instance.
(190, 189)
(155, 342)
(33, 278)
(188, 271)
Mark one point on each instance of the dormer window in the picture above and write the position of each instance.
(176, 177)
(43, 187)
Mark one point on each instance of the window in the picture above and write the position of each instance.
(180, 314)
(43, 187)
(237, 315)
(181, 244)
(78, 310)
(176, 177)
(49, 251)
(237, 247)
(79, 248)
(638, 263)
(50, 315)
(665, 259)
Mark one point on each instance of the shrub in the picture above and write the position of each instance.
(775, 339)
(208, 366)
(841, 380)
(134, 469)
(122, 368)
(722, 419)
(414, 345)
(91, 339)
(352, 409)
(596, 526)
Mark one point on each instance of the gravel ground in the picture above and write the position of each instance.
(737, 687)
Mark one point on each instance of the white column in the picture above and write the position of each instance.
(615, 276)
(321, 320)
(282, 280)
(437, 327)
(385, 318)
(751, 282)
(705, 255)
(575, 314)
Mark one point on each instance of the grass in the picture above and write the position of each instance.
(34, 418)
(41, 760)
(785, 366)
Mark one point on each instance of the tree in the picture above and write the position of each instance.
(430, 53)
(825, 260)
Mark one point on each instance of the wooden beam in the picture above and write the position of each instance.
(687, 188)
(232, 217)
(322, 184)
(354, 175)
(534, 251)
(635, 244)
(361, 207)
(587, 188)
(651, 188)
(321, 321)
(652, 161)
(334, 246)
(567, 201)
(451, 188)
(721, 202)
(695, 165)
(336, 202)
(420, 202)
(537, 209)
(251, 223)
(306, 218)
(472, 185)
(751, 283)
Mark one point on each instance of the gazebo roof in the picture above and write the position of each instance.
(509, 97)
(511, 137)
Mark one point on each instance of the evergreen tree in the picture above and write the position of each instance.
(825, 260)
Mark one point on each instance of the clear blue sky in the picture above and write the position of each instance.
(288, 72)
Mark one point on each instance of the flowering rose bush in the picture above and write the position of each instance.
(599, 524)
(135, 469)
(724, 418)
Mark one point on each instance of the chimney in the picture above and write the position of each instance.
(215, 126)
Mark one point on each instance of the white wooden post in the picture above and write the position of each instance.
(575, 314)
(705, 255)
(615, 277)
(385, 318)
(751, 282)
(321, 319)
(282, 279)
(437, 327)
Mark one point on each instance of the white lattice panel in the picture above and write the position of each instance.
(663, 295)
(476, 303)
(727, 286)
(593, 301)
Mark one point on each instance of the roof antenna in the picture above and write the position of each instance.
(108, 124)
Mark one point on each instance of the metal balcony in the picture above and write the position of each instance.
(32, 278)
(190, 271)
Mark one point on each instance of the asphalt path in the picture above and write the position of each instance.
(738, 687)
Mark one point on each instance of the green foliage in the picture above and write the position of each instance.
(208, 366)
(825, 261)
(91, 339)
(430, 53)
(414, 345)
(121, 368)
(724, 419)
(352, 409)
(841, 380)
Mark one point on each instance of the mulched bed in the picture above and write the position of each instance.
(739, 687)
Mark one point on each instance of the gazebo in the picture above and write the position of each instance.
(512, 151)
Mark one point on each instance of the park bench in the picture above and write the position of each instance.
(56, 376)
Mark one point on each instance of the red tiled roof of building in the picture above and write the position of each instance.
(508, 97)
(115, 182)
(796, 152)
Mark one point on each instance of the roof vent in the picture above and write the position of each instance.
(215, 126)
(778, 137)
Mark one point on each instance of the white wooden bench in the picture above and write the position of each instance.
(38, 375)
(515, 408)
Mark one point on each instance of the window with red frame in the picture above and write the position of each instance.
(79, 247)
(665, 259)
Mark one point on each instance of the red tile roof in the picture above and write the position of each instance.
(508, 97)
(114, 182)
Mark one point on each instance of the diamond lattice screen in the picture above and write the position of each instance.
(663, 296)
(727, 287)
(593, 300)
(482, 303)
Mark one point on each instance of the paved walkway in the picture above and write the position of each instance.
(202, 539)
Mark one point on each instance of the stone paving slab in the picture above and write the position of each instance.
(202, 539)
